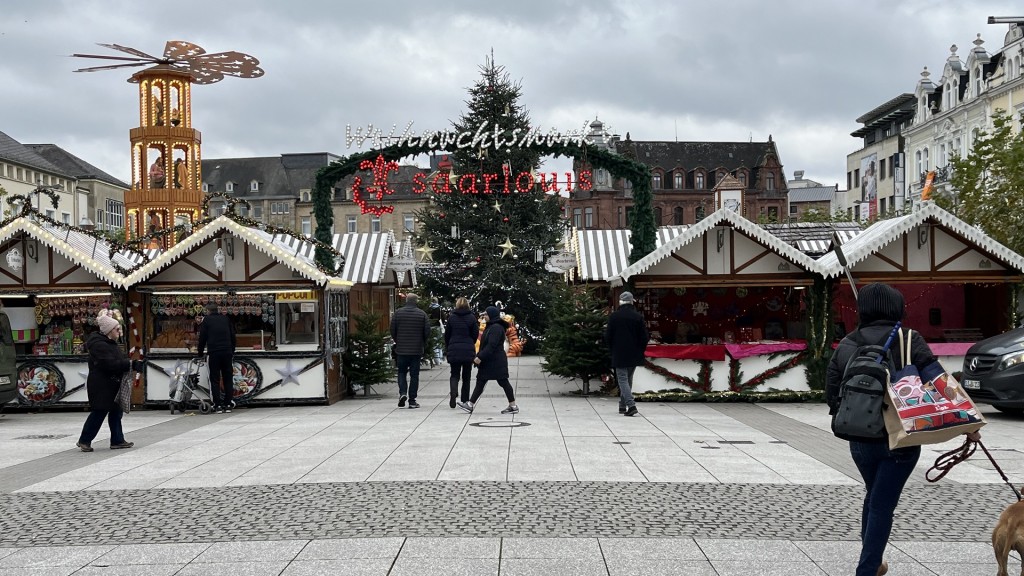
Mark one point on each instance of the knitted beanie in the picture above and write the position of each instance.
(106, 322)
(493, 313)
(879, 302)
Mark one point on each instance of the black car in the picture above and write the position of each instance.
(994, 372)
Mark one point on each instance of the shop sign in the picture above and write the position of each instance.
(296, 296)
(563, 261)
(402, 263)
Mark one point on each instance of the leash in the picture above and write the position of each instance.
(945, 462)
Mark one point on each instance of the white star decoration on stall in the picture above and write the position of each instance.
(497, 206)
(507, 247)
(426, 252)
(289, 373)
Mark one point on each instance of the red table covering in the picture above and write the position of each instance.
(738, 351)
(686, 351)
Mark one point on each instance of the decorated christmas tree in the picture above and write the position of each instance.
(366, 360)
(574, 344)
(494, 220)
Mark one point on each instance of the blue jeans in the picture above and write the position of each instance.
(885, 472)
(409, 365)
(624, 377)
(95, 421)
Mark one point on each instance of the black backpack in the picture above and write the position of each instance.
(862, 391)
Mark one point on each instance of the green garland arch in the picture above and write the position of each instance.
(642, 223)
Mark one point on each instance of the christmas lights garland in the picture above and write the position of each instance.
(736, 383)
(637, 173)
(701, 384)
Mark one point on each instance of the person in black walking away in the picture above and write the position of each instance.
(107, 365)
(492, 363)
(217, 334)
(460, 336)
(626, 336)
(884, 471)
(410, 329)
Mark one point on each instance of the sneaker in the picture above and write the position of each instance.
(84, 447)
(122, 445)
(414, 404)
(218, 410)
(227, 409)
(622, 409)
(512, 409)
(466, 407)
(401, 400)
(632, 411)
(451, 402)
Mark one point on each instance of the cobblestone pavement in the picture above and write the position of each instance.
(492, 509)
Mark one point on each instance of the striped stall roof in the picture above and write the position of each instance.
(366, 255)
(818, 246)
(602, 254)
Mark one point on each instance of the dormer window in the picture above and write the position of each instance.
(678, 177)
(305, 195)
(254, 186)
(656, 181)
(698, 181)
(229, 187)
(743, 178)
(769, 182)
(206, 187)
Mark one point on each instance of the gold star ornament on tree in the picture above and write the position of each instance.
(507, 247)
(426, 252)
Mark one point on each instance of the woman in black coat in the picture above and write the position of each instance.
(492, 363)
(460, 336)
(107, 365)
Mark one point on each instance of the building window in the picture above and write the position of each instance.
(254, 186)
(305, 195)
(350, 224)
(618, 218)
(100, 223)
(881, 169)
(206, 188)
(65, 217)
(307, 226)
(699, 181)
(243, 210)
(700, 213)
(677, 215)
(257, 212)
(918, 163)
(769, 182)
(743, 178)
(658, 216)
(115, 214)
(927, 164)
(375, 224)
(656, 183)
(678, 181)
(577, 217)
(229, 187)
(793, 210)
(409, 222)
(588, 217)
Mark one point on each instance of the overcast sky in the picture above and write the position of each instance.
(716, 70)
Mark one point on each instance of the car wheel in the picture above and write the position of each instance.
(1010, 411)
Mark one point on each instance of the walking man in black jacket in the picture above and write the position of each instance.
(410, 329)
(218, 333)
(626, 336)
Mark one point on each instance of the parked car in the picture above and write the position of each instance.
(994, 372)
(8, 361)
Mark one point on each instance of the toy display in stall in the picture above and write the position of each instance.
(261, 305)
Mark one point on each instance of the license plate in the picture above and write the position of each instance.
(972, 384)
(5, 379)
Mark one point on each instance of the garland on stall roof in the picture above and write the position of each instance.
(701, 384)
(736, 383)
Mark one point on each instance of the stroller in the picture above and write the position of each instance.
(185, 389)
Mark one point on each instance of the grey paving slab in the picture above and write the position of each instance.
(452, 548)
(234, 569)
(348, 567)
(651, 549)
(778, 551)
(646, 567)
(949, 551)
(7, 551)
(430, 566)
(151, 554)
(847, 552)
(263, 551)
(960, 569)
(548, 566)
(130, 570)
(565, 548)
(38, 571)
(43, 556)
(773, 568)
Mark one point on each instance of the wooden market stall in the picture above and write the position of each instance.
(726, 294)
(54, 278)
(288, 313)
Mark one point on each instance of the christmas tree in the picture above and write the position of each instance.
(574, 344)
(366, 360)
(491, 226)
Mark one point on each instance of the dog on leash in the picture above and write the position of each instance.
(1009, 535)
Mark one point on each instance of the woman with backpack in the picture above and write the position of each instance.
(884, 471)
(460, 334)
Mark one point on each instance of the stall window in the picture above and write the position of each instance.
(297, 322)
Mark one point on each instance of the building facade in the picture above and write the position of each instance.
(685, 176)
(875, 173)
(100, 196)
(22, 170)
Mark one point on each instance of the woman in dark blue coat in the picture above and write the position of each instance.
(460, 336)
(492, 363)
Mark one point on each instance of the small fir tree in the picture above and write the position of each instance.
(366, 361)
(574, 344)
